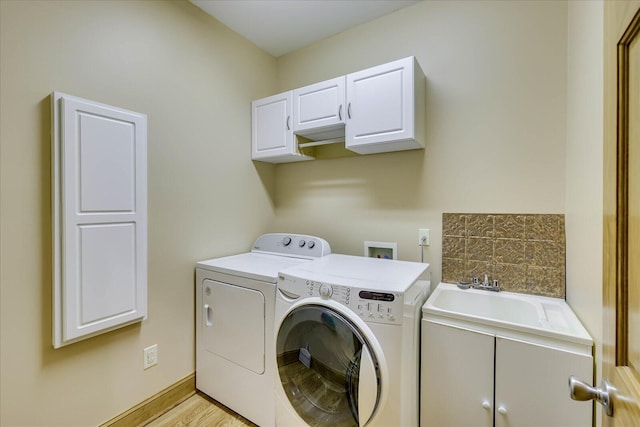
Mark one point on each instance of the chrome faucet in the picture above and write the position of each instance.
(485, 285)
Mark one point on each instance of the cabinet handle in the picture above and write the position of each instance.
(502, 410)
(340, 112)
(288, 120)
(349, 110)
(486, 404)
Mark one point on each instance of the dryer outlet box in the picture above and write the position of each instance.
(384, 250)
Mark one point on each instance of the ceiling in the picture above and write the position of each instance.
(282, 26)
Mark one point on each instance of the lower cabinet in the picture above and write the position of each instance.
(471, 378)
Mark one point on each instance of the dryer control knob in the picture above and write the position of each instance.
(301, 243)
(311, 244)
(326, 291)
(286, 241)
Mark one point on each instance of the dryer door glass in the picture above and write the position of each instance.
(327, 370)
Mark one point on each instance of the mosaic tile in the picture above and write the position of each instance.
(479, 249)
(509, 226)
(541, 227)
(545, 281)
(524, 252)
(453, 247)
(543, 253)
(478, 269)
(453, 270)
(454, 224)
(511, 277)
(480, 225)
(510, 251)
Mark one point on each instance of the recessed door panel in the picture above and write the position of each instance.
(106, 163)
(104, 290)
(379, 99)
(233, 324)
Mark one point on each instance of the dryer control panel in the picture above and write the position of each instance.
(370, 305)
(293, 245)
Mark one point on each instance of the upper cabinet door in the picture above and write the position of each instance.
(385, 108)
(319, 107)
(99, 170)
(272, 131)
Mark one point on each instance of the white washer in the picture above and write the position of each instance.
(234, 322)
(347, 342)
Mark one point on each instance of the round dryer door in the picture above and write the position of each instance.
(327, 370)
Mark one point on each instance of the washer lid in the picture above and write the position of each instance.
(362, 272)
(256, 266)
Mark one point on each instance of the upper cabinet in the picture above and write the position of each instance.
(272, 131)
(318, 110)
(377, 110)
(386, 108)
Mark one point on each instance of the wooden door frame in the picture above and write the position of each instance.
(622, 24)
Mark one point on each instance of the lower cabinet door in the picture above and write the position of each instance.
(531, 385)
(456, 377)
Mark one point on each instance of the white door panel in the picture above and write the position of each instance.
(99, 218)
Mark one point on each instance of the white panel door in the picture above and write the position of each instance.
(100, 218)
(531, 386)
(456, 377)
(272, 131)
(380, 104)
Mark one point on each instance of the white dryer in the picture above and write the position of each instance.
(347, 342)
(235, 298)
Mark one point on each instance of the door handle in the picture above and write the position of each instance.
(340, 112)
(207, 315)
(579, 390)
(349, 110)
(288, 121)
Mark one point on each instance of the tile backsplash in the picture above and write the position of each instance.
(524, 252)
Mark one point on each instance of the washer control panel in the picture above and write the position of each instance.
(370, 305)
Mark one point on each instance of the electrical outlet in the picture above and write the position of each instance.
(150, 355)
(423, 237)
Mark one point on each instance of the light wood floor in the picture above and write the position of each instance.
(201, 411)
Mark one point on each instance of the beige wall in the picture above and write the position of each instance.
(506, 132)
(496, 114)
(584, 167)
(195, 80)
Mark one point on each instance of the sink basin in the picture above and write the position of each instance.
(507, 311)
